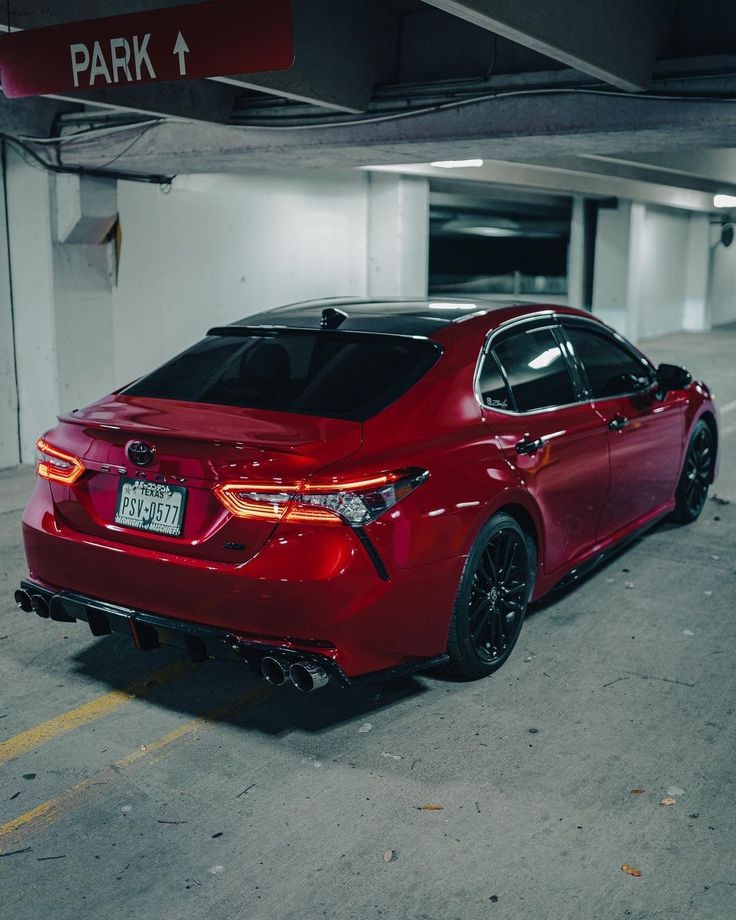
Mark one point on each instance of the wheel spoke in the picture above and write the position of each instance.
(498, 595)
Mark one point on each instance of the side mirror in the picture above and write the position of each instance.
(673, 377)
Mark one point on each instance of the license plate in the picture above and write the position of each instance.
(152, 506)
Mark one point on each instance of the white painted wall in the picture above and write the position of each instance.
(211, 250)
(722, 282)
(651, 270)
(398, 235)
(217, 248)
(9, 446)
(611, 266)
(29, 204)
(659, 278)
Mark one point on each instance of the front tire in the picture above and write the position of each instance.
(696, 476)
(491, 602)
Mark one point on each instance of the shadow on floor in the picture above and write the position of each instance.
(215, 683)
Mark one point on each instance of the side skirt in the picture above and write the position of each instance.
(591, 564)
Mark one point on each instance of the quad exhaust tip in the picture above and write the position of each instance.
(305, 675)
(40, 605)
(308, 676)
(275, 670)
(23, 600)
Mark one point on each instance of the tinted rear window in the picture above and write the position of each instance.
(338, 375)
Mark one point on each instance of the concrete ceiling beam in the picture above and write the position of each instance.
(343, 48)
(615, 42)
(190, 100)
(515, 128)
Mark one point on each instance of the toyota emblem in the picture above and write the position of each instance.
(140, 453)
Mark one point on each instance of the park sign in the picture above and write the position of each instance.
(213, 39)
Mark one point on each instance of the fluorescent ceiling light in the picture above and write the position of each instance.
(724, 201)
(456, 164)
(453, 306)
(545, 359)
(491, 231)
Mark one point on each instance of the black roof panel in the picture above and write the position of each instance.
(394, 316)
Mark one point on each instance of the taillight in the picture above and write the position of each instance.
(57, 465)
(354, 502)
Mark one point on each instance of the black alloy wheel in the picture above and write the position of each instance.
(697, 475)
(492, 599)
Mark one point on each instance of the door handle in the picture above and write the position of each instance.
(617, 423)
(527, 446)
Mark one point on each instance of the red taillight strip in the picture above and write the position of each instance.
(48, 471)
(230, 494)
(354, 485)
(250, 499)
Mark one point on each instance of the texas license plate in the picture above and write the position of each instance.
(152, 506)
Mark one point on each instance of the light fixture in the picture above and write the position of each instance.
(545, 359)
(491, 231)
(453, 306)
(724, 201)
(456, 164)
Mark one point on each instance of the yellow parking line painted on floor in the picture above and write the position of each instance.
(90, 712)
(18, 829)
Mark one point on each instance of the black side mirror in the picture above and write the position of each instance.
(673, 377)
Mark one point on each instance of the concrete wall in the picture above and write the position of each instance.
(722, 281)
(216, 248)
(657, 270)
(209, 251)
(660, 280)
(8, 389)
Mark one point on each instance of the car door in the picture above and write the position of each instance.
(644, 430)
(531, 402)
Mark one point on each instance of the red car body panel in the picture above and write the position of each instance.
(313, 586)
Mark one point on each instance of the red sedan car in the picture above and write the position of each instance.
(361, 489)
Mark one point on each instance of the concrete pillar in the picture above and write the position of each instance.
(696, 316)
(638, 266)
(29, 206)
(610, 281)
(398, 235)
(61, 300)
(576, 254)
(9, 440)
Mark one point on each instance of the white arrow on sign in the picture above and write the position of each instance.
(181, 48)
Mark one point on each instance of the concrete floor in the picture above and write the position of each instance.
(166, 790)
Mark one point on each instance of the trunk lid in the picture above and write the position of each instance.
(195, 446)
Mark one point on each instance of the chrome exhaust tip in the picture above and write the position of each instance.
(308, 676)
(275, 670)
(23, 600)
(40, 605)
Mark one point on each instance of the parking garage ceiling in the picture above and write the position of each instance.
(630, 90)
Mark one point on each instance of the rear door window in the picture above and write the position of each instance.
(535, 368)
(332, 374)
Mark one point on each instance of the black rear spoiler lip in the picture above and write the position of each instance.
(245, 331)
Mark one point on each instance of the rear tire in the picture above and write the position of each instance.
(696, 476)
(492, 598)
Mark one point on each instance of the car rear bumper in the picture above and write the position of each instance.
(317, 593)
(150, 631)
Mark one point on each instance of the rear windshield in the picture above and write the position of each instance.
(333, 374)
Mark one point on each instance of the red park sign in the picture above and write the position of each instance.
(213, 39)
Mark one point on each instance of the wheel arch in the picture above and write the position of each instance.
(710, 420)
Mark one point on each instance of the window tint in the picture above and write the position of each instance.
(493, 389)
(337, 375)
(611, 368)
(536, 370)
